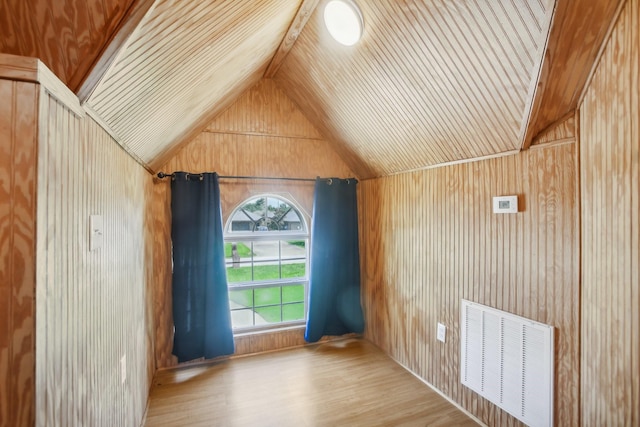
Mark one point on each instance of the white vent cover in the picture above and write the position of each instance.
(508, 360)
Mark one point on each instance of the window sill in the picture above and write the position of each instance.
(269, 330)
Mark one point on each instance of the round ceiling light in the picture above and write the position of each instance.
(344, 21)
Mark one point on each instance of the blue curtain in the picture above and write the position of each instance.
(200, 296)
(334, 279)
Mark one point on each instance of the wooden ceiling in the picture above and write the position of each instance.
(184, 60)
(431, 82)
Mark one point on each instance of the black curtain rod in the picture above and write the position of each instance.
(162, 175)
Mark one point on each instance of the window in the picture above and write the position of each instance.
(266, 254)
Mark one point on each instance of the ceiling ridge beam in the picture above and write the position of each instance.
(297, 24)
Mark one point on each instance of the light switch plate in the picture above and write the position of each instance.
(95, 232)
(442, 332)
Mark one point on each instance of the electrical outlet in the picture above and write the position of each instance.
(442, 332)
(123, 368)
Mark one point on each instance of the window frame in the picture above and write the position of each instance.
(230, 236)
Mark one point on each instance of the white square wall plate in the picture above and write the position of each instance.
(505, 204)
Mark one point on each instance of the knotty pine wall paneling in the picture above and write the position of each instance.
(150, 300)
(162, 271)
(18, 156)
(261, 134)
(429, 239)
(562, 131)
(91, 306)
(68, 314)
(610, 186)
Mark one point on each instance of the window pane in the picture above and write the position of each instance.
(238, 260)
(242, 249)
(239, 274)
(266, 270)
(293, 293)
(266, 260)
(242, 318)
(265, 214)
(291, 312)
(293, 270)
(268, 296)
(294, 249)
(294, 256)
(266, 250)
(241, 298)
(270, 314)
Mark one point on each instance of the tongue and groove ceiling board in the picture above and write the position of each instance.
(184, 60)
(429, 82)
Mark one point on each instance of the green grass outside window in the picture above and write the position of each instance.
(243, 250)
(265, 272)
(268, 302)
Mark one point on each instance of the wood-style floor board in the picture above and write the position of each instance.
(348, 382)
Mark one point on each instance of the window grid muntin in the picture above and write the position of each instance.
(261, 216)
(253, 308)
(280, 236)
(279, 286)
(251, 262)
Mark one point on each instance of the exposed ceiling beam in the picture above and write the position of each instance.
(116, 44)
(299, 21)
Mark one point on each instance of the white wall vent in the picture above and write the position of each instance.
(508, 360)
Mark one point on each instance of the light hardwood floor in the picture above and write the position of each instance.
(341, 383)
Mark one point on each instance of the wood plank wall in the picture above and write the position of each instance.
(261, 134)
(18, 156)
(564, 130)
(91, 306)
(429, 239)
(610, 179)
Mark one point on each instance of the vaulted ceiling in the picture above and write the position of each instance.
(430, 82)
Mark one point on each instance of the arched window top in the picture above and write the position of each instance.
(266, 214)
